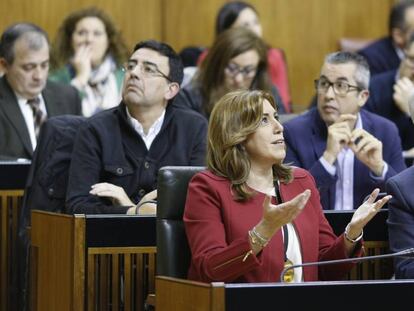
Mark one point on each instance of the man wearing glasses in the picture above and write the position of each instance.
(118, 152)
(349, 151)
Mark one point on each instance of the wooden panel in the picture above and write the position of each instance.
(115, 282)
(10, 202)
(120, 278)
(91, 283)
(116, 277)
(191, 22)
(54, 237)
(306, 30)
(137, 19)
(140, 274)
(79, 295)
(243, 297)
(183, 294)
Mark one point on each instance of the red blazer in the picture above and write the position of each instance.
(217, 229)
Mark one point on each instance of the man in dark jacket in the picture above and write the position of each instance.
(26, 98)
(390, 92)
(386, 53)
(401, 215)
(118, 152)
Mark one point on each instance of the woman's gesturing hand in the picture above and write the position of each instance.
(275, 216)
(365, 213)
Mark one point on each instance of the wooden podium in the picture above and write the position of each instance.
(377, 290)
(181, 295)
(91, 262)
(107, 262)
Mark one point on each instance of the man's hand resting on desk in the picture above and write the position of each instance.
(147, 205)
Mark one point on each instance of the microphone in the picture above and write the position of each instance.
(409, 252)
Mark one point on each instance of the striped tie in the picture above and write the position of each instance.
(38, 116)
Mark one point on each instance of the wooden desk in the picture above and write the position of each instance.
(13, 177)
(181, 295)
(10, 203)
(91, 262)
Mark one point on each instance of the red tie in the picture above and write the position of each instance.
(38, 116)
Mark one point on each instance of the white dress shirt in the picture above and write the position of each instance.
(293, 252)
(153, 131)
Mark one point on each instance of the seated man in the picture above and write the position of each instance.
(26, 97)
(348, 151)
(401, 215)
(389, 94)
(118, 152)
(386, 53)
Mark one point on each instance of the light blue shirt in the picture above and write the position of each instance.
(343, 167)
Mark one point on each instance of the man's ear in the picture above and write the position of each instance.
(173, 89)
(3, 64)
(398, 37)
(363, 97)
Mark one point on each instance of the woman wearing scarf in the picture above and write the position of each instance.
(88, 54)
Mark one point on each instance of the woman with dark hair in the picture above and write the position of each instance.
(249, 215)
(237, 60)
(242, 14)
(88, 53)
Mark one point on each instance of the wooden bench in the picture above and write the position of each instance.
(91, 262)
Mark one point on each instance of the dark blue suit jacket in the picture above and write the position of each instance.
(381, 102)
(401, 220)
(381, 56)
(306, 137)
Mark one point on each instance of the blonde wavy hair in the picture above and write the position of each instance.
(234, 117)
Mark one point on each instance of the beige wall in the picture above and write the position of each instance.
(305, 29)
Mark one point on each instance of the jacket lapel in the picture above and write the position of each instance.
(12, 111)
(51, 102)
(319, 138)
(360, 170)
(319, 135)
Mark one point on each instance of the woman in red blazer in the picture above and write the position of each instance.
(249, 215)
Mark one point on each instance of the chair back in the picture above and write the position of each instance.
(45, 187)
(173, 252)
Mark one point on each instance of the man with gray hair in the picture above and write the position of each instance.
(348, 151)
(26, 97)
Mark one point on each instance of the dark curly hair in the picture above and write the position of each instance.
(62, 48)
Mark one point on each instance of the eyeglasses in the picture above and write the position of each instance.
(147, 69)
(247, 72)
(340, 88)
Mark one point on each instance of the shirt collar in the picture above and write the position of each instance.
(153, 130)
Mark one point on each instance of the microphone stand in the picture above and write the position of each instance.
(403, 253)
